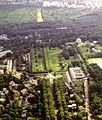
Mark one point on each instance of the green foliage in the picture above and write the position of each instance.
(46, 59)
(17, 15)
(95, 83)
(63, 14)
(61, 100)
(95, 88)
(48, 100)
(9, 111)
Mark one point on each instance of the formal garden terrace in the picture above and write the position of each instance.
(48, 59)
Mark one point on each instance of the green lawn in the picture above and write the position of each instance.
(48, 59)
(37, 60)
(51, 58)
(33, 60)
(98, 61)
(54, 59)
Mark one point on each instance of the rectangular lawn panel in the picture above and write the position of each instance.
(54, 59)
(33, 60)
(48, 59)
(37, 60)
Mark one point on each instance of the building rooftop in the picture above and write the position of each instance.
(76, 73)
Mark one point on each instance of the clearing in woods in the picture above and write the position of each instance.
(39, 15)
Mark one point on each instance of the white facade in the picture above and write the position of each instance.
(73, 3)
(1, 71)
(9, 66)
(76, 73)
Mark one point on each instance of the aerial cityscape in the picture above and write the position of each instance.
(50, 60)
(58, 3)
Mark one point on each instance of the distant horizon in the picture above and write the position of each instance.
(57, 3)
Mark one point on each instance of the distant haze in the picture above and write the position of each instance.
(58, 3)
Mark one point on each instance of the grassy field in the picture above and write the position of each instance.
(53, 59)
(37, 60)
(33, 60)
(47, 59)
(85, 49)
(98, 61)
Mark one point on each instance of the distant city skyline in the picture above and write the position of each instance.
(58, 3)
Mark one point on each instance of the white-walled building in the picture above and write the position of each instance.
(76, 73)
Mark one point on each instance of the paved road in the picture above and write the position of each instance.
(9, 66)
(68, 77)
(51, 77)
(86, 90)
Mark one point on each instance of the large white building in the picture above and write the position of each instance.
(76, 73)
(58, 3)
(73, 3)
